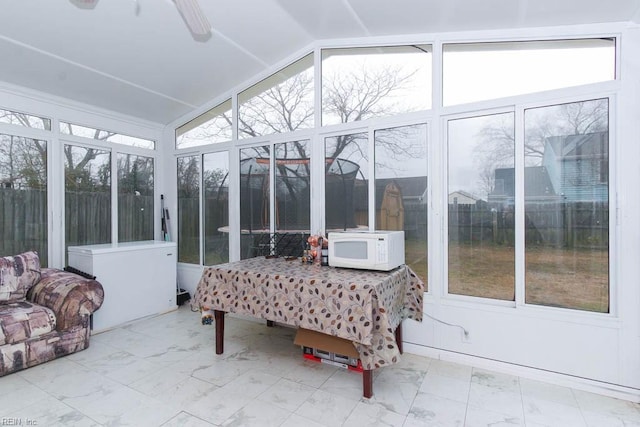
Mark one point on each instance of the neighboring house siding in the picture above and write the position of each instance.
(578, 166)
(462, 198)
(538, 186)
(553, 166)
(581, 183)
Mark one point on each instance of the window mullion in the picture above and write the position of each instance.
(519, 208)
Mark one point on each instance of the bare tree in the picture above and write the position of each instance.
(135, 174)
(97, 134)
(585, 117)
(22, 162)
(368, 92)
(214, 181)
(25, 120)
(282, 108)
(352, 96)
(188, 177)
(78, 169)
(78, 161)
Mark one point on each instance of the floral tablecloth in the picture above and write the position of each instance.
(362, 306)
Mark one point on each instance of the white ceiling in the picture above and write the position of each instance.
(138, 57)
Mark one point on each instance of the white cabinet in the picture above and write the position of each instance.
(139, 279)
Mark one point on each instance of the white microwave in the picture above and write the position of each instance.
(368, 250)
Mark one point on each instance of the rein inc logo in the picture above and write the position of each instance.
(15, 421)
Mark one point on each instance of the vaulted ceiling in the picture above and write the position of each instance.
(138, 58)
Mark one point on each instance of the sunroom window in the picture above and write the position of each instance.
(215, 177)
(346, 182)
(26, 120)
(293, 186)
(135, 197)
(481, 71)
(23, 195)
(563, 182)
(212, 127)
(401, 189)
(255, 197)
(481, 206)
(280, 103)
(566, 190)
(87, 195)
(361, 83)
(105, 135)
(188, 209)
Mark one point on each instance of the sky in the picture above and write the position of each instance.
(502, 73)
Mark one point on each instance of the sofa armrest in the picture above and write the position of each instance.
(71, 297)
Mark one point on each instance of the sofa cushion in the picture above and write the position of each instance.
(17, 275)
(23, 320)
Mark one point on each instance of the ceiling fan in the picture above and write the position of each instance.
(190, 11)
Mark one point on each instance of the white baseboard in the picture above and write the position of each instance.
(584, 384)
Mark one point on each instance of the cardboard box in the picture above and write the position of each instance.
(328, 349)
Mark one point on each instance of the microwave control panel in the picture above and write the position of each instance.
(381, 252)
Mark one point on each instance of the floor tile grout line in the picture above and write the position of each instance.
(466, 408)
(524, 414)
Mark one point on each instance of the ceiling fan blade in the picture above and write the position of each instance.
(84, 4)
(193, 16)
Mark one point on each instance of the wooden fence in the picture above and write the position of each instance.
(23, 221)
(573, 224)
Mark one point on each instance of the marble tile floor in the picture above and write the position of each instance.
(163, 371)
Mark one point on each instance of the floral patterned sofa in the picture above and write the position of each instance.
(44, 313)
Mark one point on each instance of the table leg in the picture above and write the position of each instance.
(367, 383)
(399, 337)
(219, 319)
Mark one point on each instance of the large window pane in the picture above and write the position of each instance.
(282, 102)
(481, 193)
(135, 198)
(346, 182)
(87, 195)
(216, 207)
(212, 127)
(401, 189)
(360, 83)
(481, 71)
(188, 209)
(292, 187)
(255, 214)
(23, 196)
(567, 206)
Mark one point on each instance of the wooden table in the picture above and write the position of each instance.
(365, 307)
